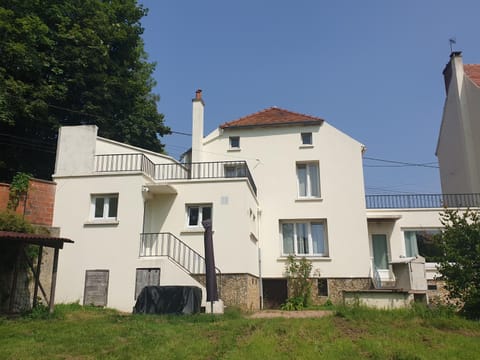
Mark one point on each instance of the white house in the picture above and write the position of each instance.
(273, 183)
(458, 148)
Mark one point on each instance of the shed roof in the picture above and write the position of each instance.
(273, 116)
(36, 239)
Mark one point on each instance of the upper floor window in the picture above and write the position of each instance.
(234, 142)
(423, 243)
(304, 237)
(306, 138)
(235, 170)
(308, 179)
(198, 213)
(104, 206)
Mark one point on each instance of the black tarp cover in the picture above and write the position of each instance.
(169, 300)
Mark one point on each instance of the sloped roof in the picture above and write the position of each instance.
(37, 239)
(473, 72)
(273, 116)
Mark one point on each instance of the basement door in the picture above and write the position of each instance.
(96, 287)
(146, 277)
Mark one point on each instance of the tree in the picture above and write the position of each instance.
(460, 264)
(66, 62)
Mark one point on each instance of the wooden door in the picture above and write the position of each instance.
(146, 277)
(96, 287)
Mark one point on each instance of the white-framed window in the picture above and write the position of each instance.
(422, 242)
(198, 213)
(306, 138)
(104, 206)
(234, 142)
(304, 237)
(308, 180)
(235, 170)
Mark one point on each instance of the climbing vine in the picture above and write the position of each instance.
(18, 190)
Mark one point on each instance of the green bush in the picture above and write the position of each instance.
(9, 221)
(293, 304)
(459, 267)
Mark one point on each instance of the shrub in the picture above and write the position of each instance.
(298, 275)
(459, 266)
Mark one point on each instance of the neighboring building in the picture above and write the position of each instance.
(274, 183)
(458, 148)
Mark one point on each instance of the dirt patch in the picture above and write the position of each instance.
(291, 314)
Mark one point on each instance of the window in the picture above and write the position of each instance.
(104, 206)
(198, 213)
(380, 251)
(422, 242)
(308, 179)
(235, 170)
(234, 142)
(304, 238)
(306, 138)
(322, 286)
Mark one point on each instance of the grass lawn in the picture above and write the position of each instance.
(76, 332)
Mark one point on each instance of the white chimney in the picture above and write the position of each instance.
(76, 146)
(197, 126)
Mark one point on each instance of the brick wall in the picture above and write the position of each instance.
(38, 208)
(4, 191)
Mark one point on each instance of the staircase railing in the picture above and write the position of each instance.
(167, 244)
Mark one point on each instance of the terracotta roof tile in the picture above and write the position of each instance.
(473, 72)
(273, 116)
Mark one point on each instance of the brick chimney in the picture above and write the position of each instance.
(198, 107)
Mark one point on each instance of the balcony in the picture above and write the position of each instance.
(173, 171)
(419, 201)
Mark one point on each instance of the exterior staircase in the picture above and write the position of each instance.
(168, 245)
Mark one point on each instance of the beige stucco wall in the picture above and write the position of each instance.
(272, 153)
(458, 149)
(407, 219)
(107, 146)
(233, 220)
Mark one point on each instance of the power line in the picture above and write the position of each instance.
(402, 162)
(180, 133)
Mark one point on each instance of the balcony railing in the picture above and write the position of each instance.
(167, 244)
(174, 171)
(422, 201)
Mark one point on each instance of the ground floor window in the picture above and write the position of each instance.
(104, 206)
(424, 243)
(304, 237)
(322, 285)
(198, 213)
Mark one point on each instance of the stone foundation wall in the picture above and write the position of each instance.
(336, 286)
(439, 296)
(238, 290)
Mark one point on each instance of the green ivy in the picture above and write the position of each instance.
(18, 190)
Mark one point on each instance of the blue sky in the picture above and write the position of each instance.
(372, 69)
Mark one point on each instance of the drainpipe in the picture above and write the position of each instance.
(260, 277)
(260, 287)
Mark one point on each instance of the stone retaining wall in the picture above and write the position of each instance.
(238, 290)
